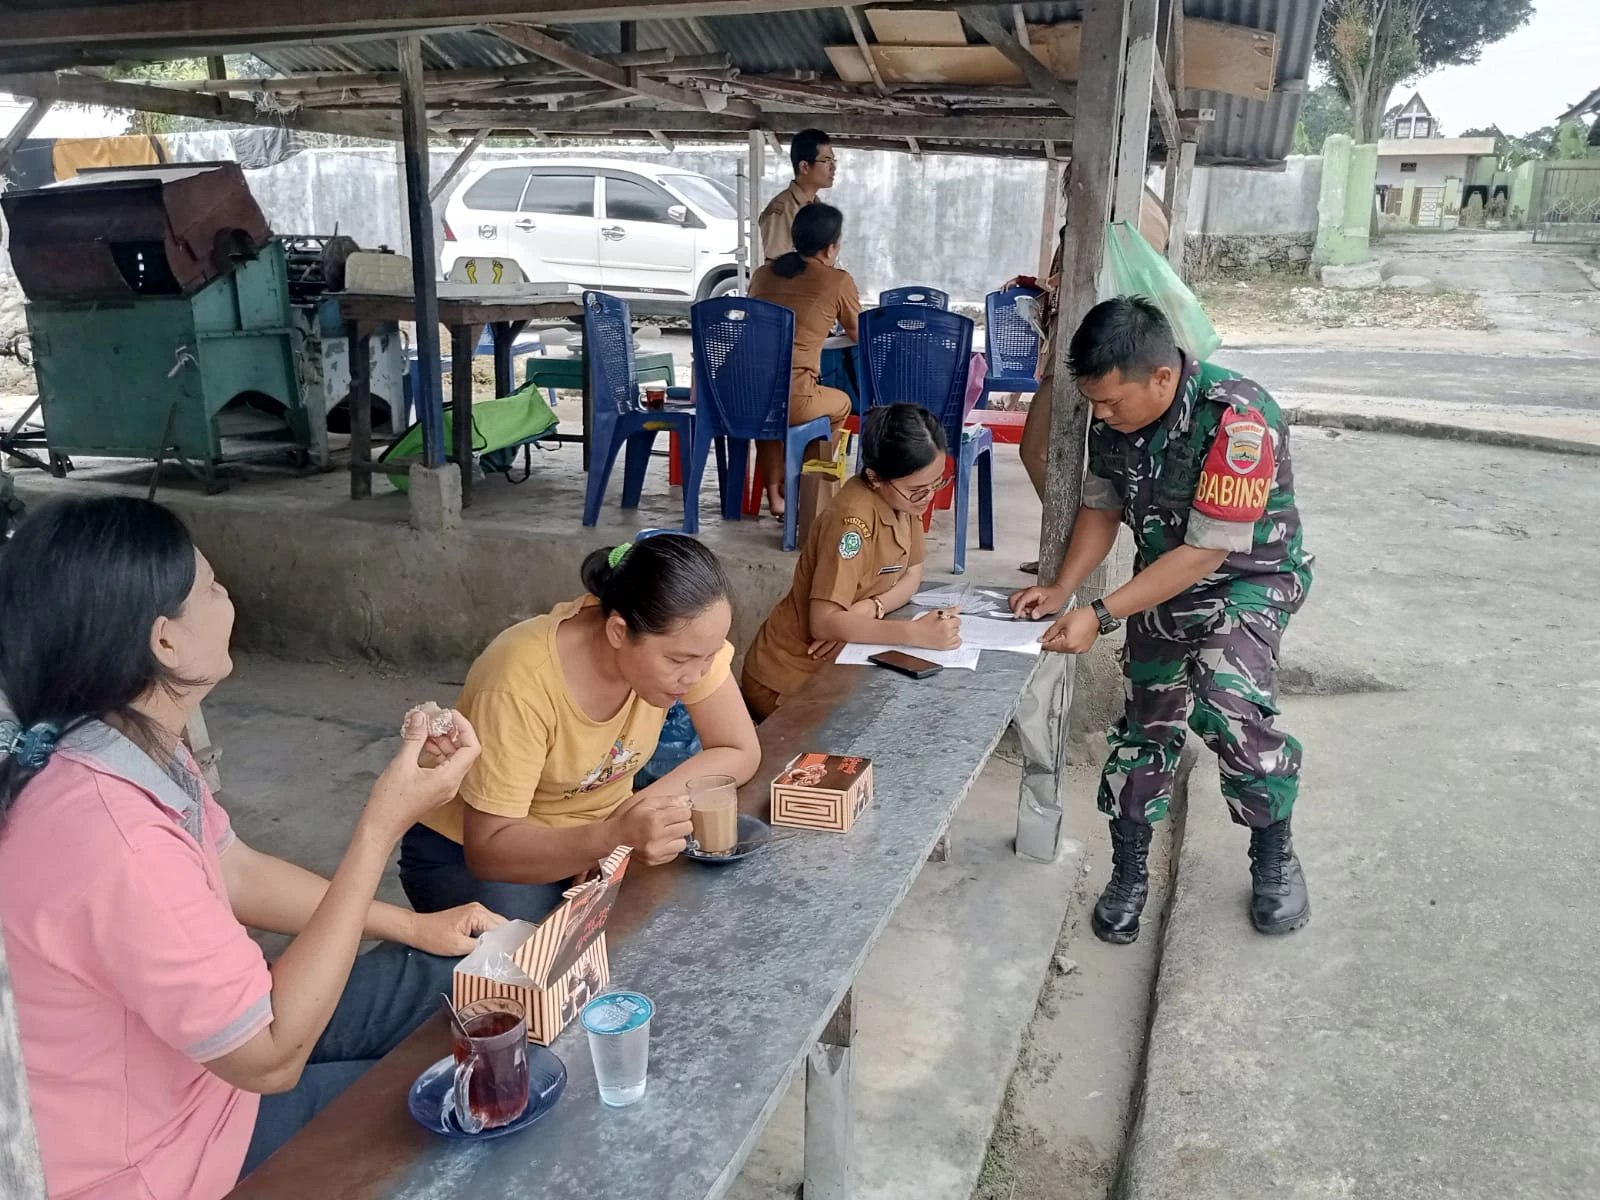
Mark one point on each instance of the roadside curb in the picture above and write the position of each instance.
(1438, 431)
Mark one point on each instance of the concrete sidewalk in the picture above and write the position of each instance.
(1430, 1033)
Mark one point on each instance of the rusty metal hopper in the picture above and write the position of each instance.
(133, 231)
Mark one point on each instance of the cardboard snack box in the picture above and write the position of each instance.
(822, 791)
(555, 967)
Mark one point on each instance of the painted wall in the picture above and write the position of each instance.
(1432, 170)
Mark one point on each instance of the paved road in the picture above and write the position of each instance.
(1306, 375)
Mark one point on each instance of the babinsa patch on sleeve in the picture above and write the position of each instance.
(849, 545)
(1237, 479)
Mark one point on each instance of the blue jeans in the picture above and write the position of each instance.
(434, 874)
(391, 991)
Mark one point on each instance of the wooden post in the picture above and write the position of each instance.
(206, 755)
(1051, 221)
(831, 1107)
(419, 213)
(758, 151)
(21, 1175)
(1088, 207)
(1180, 177)
(1138, 81)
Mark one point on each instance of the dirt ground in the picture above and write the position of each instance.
(1274, 302)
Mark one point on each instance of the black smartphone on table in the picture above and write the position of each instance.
(905, 664)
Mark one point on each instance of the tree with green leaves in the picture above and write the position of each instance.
(1324, 111)
(1368, 47)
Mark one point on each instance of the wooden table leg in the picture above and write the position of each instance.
(206, 755)
(941, 848)
(463, 341)
(831, 1107)
(359, 338)
(505, 336)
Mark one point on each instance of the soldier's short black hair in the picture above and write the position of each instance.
(1127, 334)
(807, 144)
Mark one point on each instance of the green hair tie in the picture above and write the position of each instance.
(618, 553)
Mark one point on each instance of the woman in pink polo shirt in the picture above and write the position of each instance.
(163, 1055)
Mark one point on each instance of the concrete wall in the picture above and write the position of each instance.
(1432, 170)
(963, 225)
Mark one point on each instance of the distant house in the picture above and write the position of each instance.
(1413, 119)
(1422, 175)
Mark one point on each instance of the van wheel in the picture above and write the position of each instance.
(725, 287)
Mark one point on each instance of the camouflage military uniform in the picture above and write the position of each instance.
(1208, 657)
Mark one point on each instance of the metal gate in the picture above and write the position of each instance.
(1566, 206)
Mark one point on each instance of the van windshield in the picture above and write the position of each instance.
(704, 194)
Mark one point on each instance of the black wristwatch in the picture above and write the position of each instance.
(1108, 623)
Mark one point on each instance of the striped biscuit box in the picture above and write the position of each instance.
(555, 967)
(822, 791)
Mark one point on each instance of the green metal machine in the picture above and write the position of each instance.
(159, 312)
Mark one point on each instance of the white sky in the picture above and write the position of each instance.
(1525, 81)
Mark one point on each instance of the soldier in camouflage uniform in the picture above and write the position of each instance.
(1194, 460)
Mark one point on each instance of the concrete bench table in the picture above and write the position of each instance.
(750, 966)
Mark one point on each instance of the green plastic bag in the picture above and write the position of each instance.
(509, 421)
(1135, 269)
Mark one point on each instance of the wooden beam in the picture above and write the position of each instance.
(194, 24)
(1180, 174)
(860, 35)
(1138, 90)
(916, 148)
(1051, 220)
(216, 67)
(1043, 80)
(1166, 111)
(622, 78)
(808, 94)
(457, 164)
(665, 60)
(26, 124)
(1175, 63)
(1100, 63)
(143, 97)
(665, 142)
(892, 126)
(424, 264)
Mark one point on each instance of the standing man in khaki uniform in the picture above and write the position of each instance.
(814, 164)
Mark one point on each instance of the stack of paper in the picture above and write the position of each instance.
(982, 633)
(963, 658)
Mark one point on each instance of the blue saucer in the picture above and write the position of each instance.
(754, 834)
(431, 1104)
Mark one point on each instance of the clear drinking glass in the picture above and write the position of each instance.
(618, 1025)
(714, 804)
(491, 1085)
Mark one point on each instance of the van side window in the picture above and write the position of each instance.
(560, 195)
(630, 201)
(497, 191)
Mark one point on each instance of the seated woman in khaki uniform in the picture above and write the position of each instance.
(861, 561)
(806, 282)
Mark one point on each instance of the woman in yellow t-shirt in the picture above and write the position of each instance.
(567, 706)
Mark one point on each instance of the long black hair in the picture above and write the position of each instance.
(81, 584)
(656, 584)
(816, 227)
(899, 440)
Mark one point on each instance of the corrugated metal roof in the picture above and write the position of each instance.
(1245, 131)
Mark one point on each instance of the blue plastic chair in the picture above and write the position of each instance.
(619, 419)
(1011, 345)
(911, 354)
(914, 294)
(743, 350)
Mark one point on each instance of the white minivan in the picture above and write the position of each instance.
(619, 226)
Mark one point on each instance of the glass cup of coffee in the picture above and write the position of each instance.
(714, 805)
(655, 398)
(491, 1084)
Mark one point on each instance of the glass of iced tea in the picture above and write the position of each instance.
(491, 1087)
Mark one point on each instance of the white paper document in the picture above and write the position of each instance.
(963, 658)
(982, 633)
(969, 598)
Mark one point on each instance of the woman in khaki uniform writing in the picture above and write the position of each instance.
(861, 561)
(806, 282)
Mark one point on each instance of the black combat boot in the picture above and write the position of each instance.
(1116, 913)
(1281, 903)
